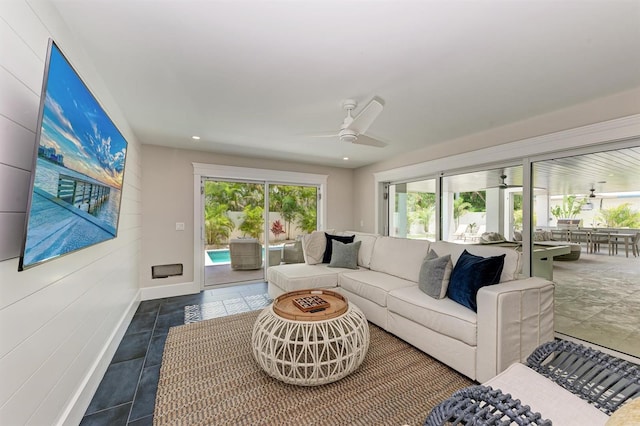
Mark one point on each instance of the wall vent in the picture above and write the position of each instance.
(164, 271)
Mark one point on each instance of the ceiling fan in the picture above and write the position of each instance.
(353, 128)
(503, 184)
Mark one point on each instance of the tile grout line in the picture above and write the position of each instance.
(144, 361)
(164, 302)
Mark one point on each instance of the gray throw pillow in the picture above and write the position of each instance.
(434, 275)
(344, 255)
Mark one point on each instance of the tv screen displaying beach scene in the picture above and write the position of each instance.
(79, 163)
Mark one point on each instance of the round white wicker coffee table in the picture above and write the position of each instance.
(310, 348)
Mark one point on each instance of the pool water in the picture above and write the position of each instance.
(221, 256)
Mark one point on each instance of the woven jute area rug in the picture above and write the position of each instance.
(209, 377)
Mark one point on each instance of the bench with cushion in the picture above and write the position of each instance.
(563, 383)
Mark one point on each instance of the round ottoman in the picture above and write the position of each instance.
(310, 348)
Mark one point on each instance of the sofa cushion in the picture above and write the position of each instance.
(470, 273)
(512, 261)
(434, 275)
(371, 285)
(300, 276)
(443, 316)
(400, 257)
(313, 247)
(366, 249)
(545, 397)
(329, 246)
(344, 255)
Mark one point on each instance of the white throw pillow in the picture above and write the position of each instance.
(313, 246)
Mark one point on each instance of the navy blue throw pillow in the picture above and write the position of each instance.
(343, 239)
(469, 274)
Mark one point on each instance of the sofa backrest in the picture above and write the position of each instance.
(400, 257)
(512, 260)
(366, 246)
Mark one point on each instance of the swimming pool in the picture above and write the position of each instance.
(219, 256)
(222, 257)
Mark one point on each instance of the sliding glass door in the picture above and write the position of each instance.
(590, 204)
(250, 226)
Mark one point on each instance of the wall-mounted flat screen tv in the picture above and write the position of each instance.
(79, 163)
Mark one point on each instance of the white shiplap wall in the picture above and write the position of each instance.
(61, 321)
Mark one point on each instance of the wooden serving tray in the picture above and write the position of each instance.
(285, 307)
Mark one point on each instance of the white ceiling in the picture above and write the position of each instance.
(253, 77)
(606, 172)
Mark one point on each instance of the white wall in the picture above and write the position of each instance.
(168, 198)
(61, 321)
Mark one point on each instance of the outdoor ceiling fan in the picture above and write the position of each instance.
(353, 128)
(503, 184)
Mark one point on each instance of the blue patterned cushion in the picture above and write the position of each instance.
(470, 273)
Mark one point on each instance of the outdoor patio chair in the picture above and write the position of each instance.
(292, 252)
(626, 240)
(596, 239)
(475, 236)
(245, 254)
(459, 234)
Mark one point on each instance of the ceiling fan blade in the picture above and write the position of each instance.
(322, 135)
(366, 117)
(366, 140)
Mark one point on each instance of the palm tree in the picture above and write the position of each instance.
(252, 221)
(218, 226)
(570, 207)
(306, 217)
(621, 216)
(423, 216)
(460, 208)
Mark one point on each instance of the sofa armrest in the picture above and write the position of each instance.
(514, 318)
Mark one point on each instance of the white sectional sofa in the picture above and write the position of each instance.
(513, 317)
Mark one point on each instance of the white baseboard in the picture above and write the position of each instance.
(75, 410)
(170, 290)
(78, 406)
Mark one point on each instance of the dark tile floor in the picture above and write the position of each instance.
(126, 396)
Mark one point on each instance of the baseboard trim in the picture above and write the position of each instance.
(74, 412)
(170, 290)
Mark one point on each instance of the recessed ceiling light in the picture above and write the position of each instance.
(195, 138)
(345, 158)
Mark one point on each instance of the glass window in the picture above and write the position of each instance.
(412, 209)
(479, 202)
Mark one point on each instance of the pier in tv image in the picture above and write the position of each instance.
(79, 169)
